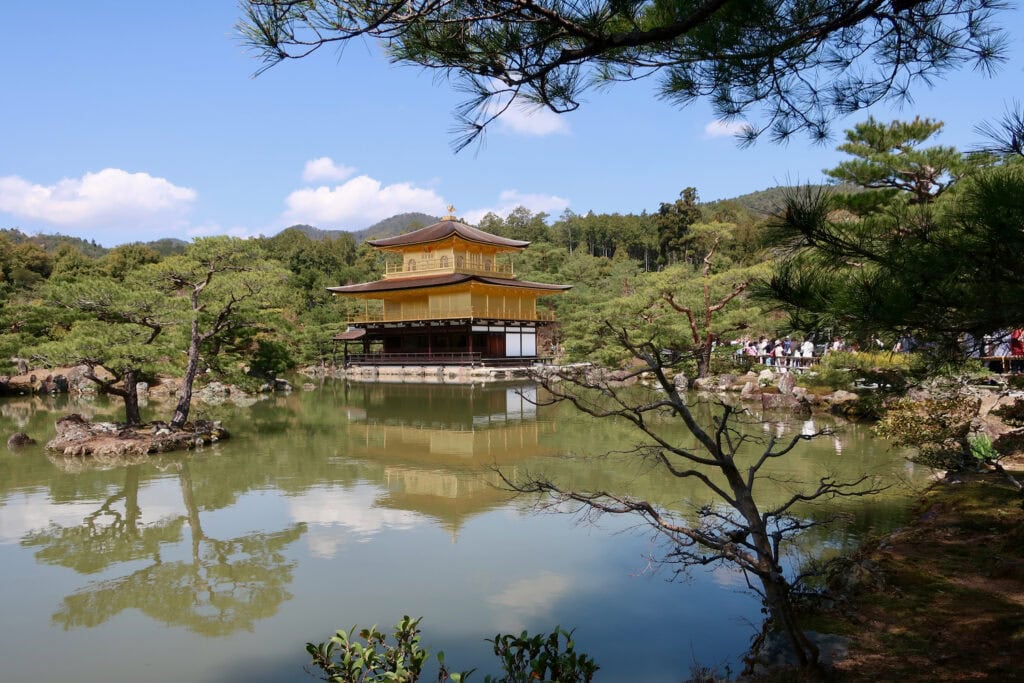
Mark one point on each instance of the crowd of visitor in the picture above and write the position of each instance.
(783, 353)
(802, 353)
(1002, 351)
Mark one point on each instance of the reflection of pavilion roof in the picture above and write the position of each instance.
(440, 281)
(412, 446)
(444, 230)
(443, 473)
(451, 512)
(441, 406)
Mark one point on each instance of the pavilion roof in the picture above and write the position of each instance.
(350, 334)
(444, 230)
(440, 281)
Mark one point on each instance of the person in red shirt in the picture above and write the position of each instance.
(1017, 350)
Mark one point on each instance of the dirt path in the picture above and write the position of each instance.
(946, 602)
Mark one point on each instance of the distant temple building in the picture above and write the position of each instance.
(452, 300)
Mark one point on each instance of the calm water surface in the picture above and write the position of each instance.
(356, 504)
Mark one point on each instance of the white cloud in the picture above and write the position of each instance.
(721, 129)
(105, 200)
(522, 117)
(509, 200)
(533, 120)
(325, 169)
(358, 203)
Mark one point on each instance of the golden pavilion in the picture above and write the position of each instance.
(454, 299)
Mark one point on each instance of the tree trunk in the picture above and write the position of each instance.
(703, 361)
(780, 608)
(194, 522)
(777, 599)
(185, 398)
(131, 398)
(132, 511)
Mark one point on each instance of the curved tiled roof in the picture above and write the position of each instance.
(443, 230)
(441, 280)
(350, 334)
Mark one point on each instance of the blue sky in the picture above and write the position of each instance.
(126, 121)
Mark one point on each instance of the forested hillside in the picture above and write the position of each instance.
(683, 274)
(389, 227)
(619, 264)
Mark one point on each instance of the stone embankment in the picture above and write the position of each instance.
(78, 437)
(778, 391)
(768, 390)
(72, 381)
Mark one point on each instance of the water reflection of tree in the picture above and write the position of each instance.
(108, 535)
(224, 586)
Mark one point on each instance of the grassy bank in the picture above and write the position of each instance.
(942, 599)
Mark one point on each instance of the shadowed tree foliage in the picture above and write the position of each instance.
(911, 271)
(801, 62)
(932, 268)
(1004, 136)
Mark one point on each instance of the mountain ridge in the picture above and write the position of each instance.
(760, 202)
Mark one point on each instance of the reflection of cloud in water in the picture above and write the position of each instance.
(527, 598)
(24, 513)
(728, 576)
(353, 510)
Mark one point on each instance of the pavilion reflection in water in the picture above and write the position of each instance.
(437, 445)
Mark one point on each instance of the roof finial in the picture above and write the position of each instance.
(451, 213)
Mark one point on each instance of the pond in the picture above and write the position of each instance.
(356, 504)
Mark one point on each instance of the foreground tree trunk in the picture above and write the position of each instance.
(735, 530)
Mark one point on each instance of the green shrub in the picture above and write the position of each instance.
(368, 657)
(344, 659)
(936, 427)
(270, 358)
(541, 659)
(982, 448)
(865, 361)
(824, 376)
(882, 368)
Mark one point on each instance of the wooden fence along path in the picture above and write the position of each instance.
(1004, 364)
(789, 362)
(1000, 364)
